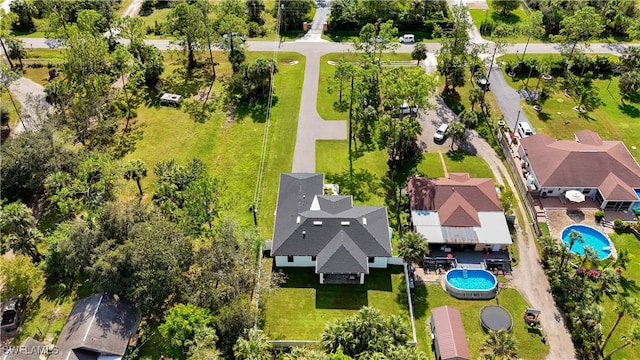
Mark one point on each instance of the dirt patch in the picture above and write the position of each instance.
(482, 5)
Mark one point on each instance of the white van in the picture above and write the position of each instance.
(407, 39)
(525, 129)
(440, 133)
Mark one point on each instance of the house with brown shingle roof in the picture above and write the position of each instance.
(601, 169)
(459, 210)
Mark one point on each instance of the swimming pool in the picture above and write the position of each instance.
(592, 237)
(471, 284)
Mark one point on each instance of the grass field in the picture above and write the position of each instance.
(5, 100)
(37, 62)
(518, 16)
(351, 36)
(428, 297)
(632, 244)
(460, 161)
(325, 100)
(301, 308)
(230, 149)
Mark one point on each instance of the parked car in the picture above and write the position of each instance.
(12, 313)
(407, 39)
(441, 133)
(525, 129)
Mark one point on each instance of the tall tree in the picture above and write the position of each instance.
(629, 339)
(203, 203)
(365, 333)
(457, 131)
(468, 118)
(534, 28)
(19, 233)
(7, 77)
(419, 52)
(506, 6)
(19, 277)
(254, 345)
(181, 324)
(185, 22)
(135, 170)
(584, 25)
(625, 305)
(16, 49)
(413, 247)
(573, 237)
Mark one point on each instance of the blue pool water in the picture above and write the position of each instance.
(592, 237)
(637, 192)
(471, 279)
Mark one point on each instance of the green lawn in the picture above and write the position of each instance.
(5, 100)
(518, 16)
(431, 165)
(230, 149)
(613, 120)
(37, 62)
(431, 296)
(632, 244)
(301, 308)
(325, 100)
(460, 161)
(48, 310)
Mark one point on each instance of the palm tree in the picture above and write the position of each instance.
(625, 304)
(457, 132)
(476, 96)
(500, 345)
(17, 225)
(419, 52)
(254, 345)
(629, 339)
(16, 49)
(544, 68)
(412, 247)
(136, 170)
(609, 280)
(573, 237)
(589, 255)
(468, 118)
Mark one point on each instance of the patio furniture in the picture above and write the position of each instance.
(532, 317)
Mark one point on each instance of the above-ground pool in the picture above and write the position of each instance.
(471, 284)
(592, 238)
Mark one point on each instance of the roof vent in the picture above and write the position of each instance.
(364, 221)
(345, 223)
(304, 234)
(317, 223)
(298, 220)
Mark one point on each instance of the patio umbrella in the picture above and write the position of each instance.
(574, 196)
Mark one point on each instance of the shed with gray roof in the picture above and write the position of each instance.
(341, 241)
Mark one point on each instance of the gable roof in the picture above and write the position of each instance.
(458, 199)
(309, 223)
(342, 256)
(450, 334)
(587, 162)
(100, 324)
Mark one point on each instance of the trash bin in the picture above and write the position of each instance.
(305, 26)
(325, 27)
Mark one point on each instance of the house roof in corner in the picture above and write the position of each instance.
(100, 324)
(587, 162)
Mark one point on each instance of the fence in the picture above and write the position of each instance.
(527, 199)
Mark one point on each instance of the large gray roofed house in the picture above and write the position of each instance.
(99, 325)
(309, 223)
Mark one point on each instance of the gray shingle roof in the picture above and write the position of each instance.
(98, 324)
(29, 350)
(342, 256)
(307, 221)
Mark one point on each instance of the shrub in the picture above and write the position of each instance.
(599, 215)
(4, 116)
(617, 222)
